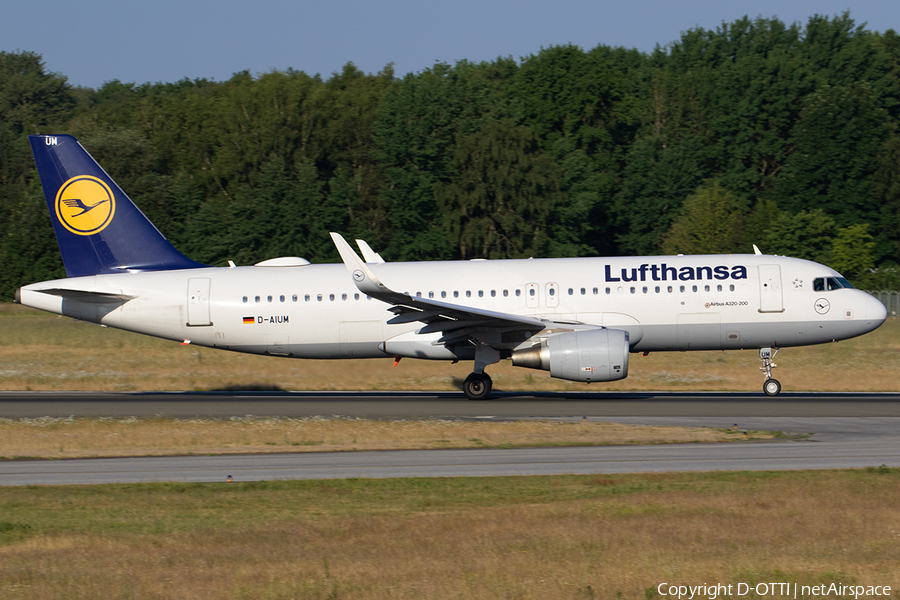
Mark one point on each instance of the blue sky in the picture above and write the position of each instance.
(94, 41)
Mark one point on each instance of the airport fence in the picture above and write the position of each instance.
(890, 299)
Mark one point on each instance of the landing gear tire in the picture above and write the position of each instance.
(771, 387)
(477, 386)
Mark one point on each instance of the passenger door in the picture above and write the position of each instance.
(770, 297)
(198, 302)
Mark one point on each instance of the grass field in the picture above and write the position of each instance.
(509, 537)
(40, 351)
(52, 438)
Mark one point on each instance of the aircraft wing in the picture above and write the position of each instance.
(457, 323)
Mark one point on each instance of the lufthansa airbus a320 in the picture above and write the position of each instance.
(578, 318)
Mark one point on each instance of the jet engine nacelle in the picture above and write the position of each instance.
(587, 355)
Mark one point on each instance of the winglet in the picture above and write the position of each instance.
(363, 277)
(368, 254)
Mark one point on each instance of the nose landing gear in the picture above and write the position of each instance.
(771, 386)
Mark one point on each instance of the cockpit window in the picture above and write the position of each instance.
(821, 284)
(843, 282)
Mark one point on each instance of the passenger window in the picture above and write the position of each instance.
(481, 293)
(583, 291)
(493, 293)
(319, 297)
(306, 298)
(552, 291)
(681, 289)
(693, 288)
(344, 297)
(245, 299)
(632, 289)
(719, 288)
(608, 291)
(571, 292)
(356, 296)
(257, 298)
(670, 289)
(656, 289)
(331, 297)
(456, 294)
(706, 288)
(731, 287)
(468, 293)
(645, 289)
(596, 291)
(505, 293)
(531, 292)
(431, 294)
(518, 293)
(269, 298)
(294, 298)
(443, 294)
(281, 298)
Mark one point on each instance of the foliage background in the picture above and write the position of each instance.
(756, 132)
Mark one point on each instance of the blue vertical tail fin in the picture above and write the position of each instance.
(98, 227)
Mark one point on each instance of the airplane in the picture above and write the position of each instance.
(578, 318)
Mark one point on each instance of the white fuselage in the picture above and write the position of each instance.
(315, 311)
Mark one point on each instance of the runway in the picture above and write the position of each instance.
(849, 431)
(398, 405)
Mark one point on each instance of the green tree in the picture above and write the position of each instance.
(30, 97)
(840, 135)
(807, 234)
(582, 108)
(709, 223)
(419, 121)
(657, 179)
(29, 252)
(757, 223)
(886, 191)
(31, 101)
(498, 205)
(851, 250)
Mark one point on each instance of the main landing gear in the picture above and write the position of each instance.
(477, 386)
(771, 387)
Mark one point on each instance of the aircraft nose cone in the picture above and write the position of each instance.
(875, 310)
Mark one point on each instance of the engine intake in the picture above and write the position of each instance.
(588, 355)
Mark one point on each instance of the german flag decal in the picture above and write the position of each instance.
(249, 320)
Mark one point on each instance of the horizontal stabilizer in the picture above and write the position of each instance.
(90, 297)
